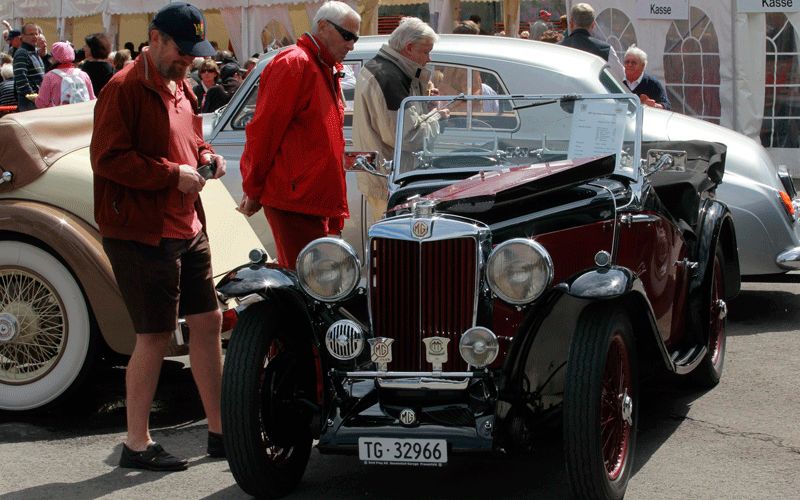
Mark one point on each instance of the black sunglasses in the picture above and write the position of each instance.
(347, 35)
(207, 71)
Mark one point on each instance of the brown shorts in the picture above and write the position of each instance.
(159, 284)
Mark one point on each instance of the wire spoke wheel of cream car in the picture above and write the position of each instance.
(46, 340)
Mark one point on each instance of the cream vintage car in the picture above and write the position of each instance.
(60, 308)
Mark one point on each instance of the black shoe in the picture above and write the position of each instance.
(216, 449)
(153, 458)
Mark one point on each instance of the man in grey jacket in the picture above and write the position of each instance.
(398, 71)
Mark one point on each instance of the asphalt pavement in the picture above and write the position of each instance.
(739, 441)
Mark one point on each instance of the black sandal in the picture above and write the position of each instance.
(153, 458)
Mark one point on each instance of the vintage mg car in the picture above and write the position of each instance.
(60, 308)
(538, 261)
(761, 197)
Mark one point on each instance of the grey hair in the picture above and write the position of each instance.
(7, 71)
(638, 53)
(582, 15)
(411, 30)
(335, 12)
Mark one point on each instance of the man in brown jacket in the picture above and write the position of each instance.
(146, 148)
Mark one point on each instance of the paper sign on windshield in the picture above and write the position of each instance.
(598, 129)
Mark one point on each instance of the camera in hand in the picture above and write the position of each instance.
(208, 171)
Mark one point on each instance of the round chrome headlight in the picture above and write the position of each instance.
(519, 270)
(478, 346)
(328, 269)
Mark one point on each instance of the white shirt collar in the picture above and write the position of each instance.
(632, 85)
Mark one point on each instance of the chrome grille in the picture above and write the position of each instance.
(423, 289)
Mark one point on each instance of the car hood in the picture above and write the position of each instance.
(478, 193)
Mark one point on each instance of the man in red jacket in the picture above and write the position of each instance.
(292, 161)
(146, 148)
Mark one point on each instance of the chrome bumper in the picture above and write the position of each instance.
(417, 380)
(789, 260)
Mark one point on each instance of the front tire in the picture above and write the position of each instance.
(267, 385)
(47, 343)
(600, 404)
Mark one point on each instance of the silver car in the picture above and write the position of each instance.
(762, 199)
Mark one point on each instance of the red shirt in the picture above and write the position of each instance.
(180, 218)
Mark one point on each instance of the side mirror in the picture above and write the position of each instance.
(668, 161)
(362, 161)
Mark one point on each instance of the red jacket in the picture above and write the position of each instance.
(129, 154)
(295, 143)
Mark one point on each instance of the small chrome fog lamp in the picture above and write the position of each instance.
(328, 269)
(519, 270)
(478, 346)
(344, 340)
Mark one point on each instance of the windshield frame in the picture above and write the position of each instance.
(396, 176)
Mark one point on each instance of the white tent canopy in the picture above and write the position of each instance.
(713, 60)
(715, 64)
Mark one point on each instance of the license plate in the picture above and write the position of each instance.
(403, 451)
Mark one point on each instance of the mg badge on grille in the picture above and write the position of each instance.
(408, 417)
(420, 229)
(381, 352)
(436, 351)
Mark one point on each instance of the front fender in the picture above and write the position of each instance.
(600, 283)
(540, 348)
(80, 247)
(251, 278)
(271, 282)
(716, 228)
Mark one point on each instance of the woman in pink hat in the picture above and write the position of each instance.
(50, 93)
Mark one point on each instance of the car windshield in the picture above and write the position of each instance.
(488, 133)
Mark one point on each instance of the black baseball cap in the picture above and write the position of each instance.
(228, 70)
(13, 34)
(187, 26)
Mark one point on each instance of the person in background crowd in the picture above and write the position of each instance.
(6, 59)
(224, 57)
(145, 151)
(396, 72)
(230, 79)
(14, 39)
(581, 21)
(7, 97)
(541, 25)
(209, 74)
(28, 68)
(475, 18)
(100, 70)
(651, 91)
(551, 36)
(129, 46)
(41, 47)
(249, 65)
(141, 47)
(562, 25)
(121, 58)
(292, 161)
(193, 73)
(50, 91)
